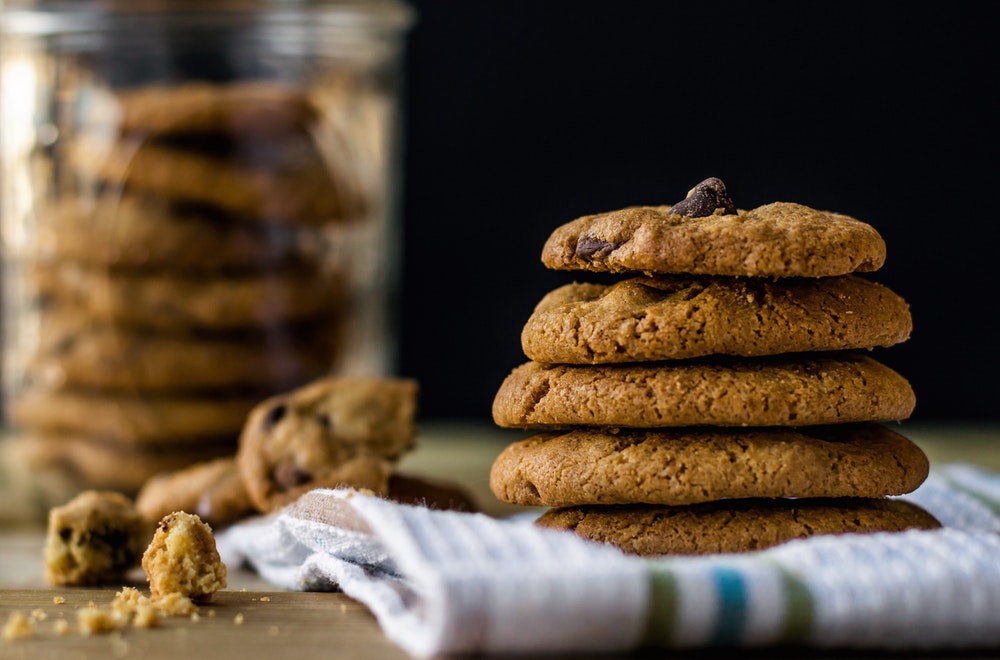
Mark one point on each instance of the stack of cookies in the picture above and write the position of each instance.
(719, 394)
(184, 271)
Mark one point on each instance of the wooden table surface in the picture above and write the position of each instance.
(275, 623)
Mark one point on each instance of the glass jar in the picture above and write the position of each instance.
(199, 210)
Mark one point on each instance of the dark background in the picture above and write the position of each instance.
(523, 115)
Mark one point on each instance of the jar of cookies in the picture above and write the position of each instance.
(199, 211)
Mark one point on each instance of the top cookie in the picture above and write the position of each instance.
(781, 239)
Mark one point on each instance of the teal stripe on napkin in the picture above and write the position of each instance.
(730, 618)
(732, 602)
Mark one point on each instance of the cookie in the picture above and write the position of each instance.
(692, 465)
(135, 231)
(93, 539)
(828, 388)
(337, 431)
(77, 351)
(132, 419)
(183, 560)
(733, 525)
(432, 493)
(67, 463)
(184, 301)
(668, 318)
(213, 490)
(781, 239)
(244, 107)
(285, 180)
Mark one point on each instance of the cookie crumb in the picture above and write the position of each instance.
(18, 626)
(238, 619)
(98, 620)
(194, 617)
(273, 631)
(58, 600)
(61, 627)
(39, 615)
(265, 599)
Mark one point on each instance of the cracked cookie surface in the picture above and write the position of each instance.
(778, 391)
(782, 239)
(667, 318)
(735, 525)
(692, 465)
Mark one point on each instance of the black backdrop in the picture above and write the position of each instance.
(522, 115)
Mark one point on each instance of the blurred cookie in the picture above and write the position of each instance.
(94, 539)
(75, 351)
(132, 419)
(337, 431)
(213, 490)
(713, 237)
(668, 318)
(775, 391)
(135, 231)
(694, 465)
(432, 493)
(276, 180)
(244, 107)
(187, 300)
(66, 463)
(733, 525)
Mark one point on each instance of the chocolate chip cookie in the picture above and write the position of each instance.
(337, 431)
(713, 237)
(94, 539)
(691, 465)
(141, 231)
(733, 525)
(809, 390)
(245, 107)
(675, 317)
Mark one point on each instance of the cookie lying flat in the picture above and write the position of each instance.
(69, 462)
(782, 239)
(802, 390)
(186, 301)
(734, 525)
(134, 231)
(213, 490)
(252, 107)
(287, 181)
(337, 431)
(132, 419)
(688, 466)
(81, 352)
(667, 318)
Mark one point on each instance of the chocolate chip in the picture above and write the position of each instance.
(588, 247)
(65, 534)
(274, 415)
(704, 199)
(287, 476)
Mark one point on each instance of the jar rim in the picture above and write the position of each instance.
(54, 17)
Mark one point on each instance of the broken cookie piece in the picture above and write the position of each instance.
(182, 560)
(93, 539)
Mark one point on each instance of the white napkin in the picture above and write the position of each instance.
(447, 582)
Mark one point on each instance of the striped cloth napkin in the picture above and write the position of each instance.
(444, 582)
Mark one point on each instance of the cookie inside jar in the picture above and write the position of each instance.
(207, 222)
